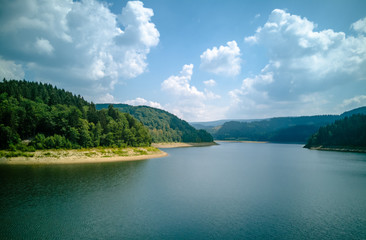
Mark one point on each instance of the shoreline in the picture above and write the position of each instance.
(93, 155)
(182, 144)
(339, 149)
(241, 141)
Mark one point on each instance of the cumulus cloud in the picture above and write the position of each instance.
(187, 101)
(143, 102)
(10, 70)
(180, 85)
(354, 102)
(79, 45)
(224, 60)
(303, 63)
(360, 25)
(44, 46)
(107, 98)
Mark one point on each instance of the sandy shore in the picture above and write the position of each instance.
(94, 155)
(181, 144)
(241, 141)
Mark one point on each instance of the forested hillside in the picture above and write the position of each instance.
(348, 132)
(48, 117)
(283, 129)
(279, 129)
(163, 126)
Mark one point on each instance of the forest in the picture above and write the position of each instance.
(282, 129)
(163, 126)
(41, 116)
(347, 132)
(279, 129)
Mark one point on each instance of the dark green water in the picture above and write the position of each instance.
(230, 191)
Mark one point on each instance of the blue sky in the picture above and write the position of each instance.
(201, 60)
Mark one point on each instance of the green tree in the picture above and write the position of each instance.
(8, 137)
(54, 118)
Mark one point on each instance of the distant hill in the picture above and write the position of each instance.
(163, 126)
(348, 133)
(213, 126)
(284, 129)
(220, 122)
(280, 129)
(360, 110)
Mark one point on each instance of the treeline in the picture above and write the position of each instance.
(348, 132)
(40, 116)
(41, 93)
(163, 126)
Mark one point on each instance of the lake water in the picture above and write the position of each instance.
(229, 191)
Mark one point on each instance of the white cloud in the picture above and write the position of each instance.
(180, 86)
(143, 102)
(306, 68)
(43, 46)
(360, 25)
(107, 98)
(136, 20)
(10, 70)
(210, 83)
(224, 60)
(187, 101)
(78, 45)
(354, 102)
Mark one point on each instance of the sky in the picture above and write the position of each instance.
(201, 60)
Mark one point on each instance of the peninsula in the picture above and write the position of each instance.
(78, 156)
(41, 124)
(346, 135)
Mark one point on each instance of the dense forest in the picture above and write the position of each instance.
(40, 116)
(163, 126)
(347, 132)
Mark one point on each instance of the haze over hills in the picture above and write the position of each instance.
(212, 124)
(279, 129)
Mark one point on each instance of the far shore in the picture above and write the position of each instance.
(241, 141)
(182, 144)
(78, 156)
(340, 149)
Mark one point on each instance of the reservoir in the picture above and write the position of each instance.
(228, 191)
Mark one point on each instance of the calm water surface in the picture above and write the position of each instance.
(229, 191)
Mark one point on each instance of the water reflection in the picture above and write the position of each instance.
(54, 199)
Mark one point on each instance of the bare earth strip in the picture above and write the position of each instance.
(241, 141)
(94, 155)
(181, 144)
(340, 149)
